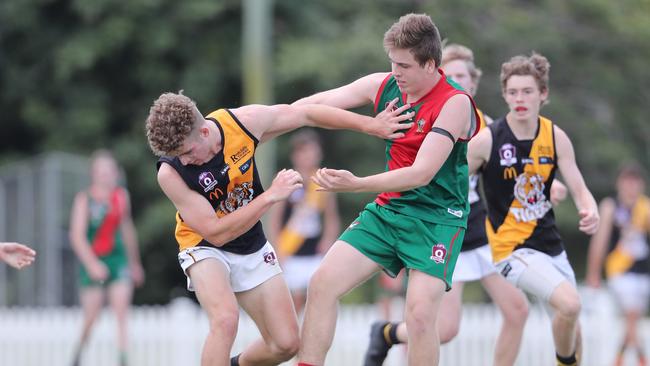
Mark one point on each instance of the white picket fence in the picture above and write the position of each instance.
(173, 335)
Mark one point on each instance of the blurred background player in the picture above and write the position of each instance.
(305, 225)
(17, 255)
(104, 239)
(621, 244)
(475, 260)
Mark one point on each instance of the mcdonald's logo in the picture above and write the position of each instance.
(509, 173)
(214, 195)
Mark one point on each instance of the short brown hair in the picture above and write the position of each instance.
(535, 65)
(631, 169)
(171, 120)
(418, 34)
(304, 137)
(454, 51)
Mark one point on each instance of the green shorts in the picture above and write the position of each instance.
(118, 270)
(396, 241)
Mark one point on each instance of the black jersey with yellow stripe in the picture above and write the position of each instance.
(629, 250)
(228, 181)
(517, 183)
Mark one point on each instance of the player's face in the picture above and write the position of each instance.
(196, 148)
(307, 156)
(458, 71)
(524, 97)
(630, 188)
(410, 76)
(104, 172)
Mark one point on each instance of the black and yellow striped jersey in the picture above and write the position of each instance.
(228, 181)
(517, 183)
(628, 247)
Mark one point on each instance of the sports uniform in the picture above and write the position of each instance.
(525, 242)
(228, 181)
(422, 228)
(628, 262)
(104, 234)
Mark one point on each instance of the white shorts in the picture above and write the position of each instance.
(631, 291)
(474, 265)
(535, 272)
(299, 269)
(246, 270)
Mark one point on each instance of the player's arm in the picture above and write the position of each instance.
(478, 150)
(78, 229)
(558, 192)
(274, 227)
(582, 197)
(599, 242)
(131, 242)
(266, 122)
(197, 212)
(356, 94)
(436, 147)
(17, 255)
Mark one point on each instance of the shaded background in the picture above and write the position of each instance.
(77, 75)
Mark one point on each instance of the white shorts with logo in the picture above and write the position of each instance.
(299, 269)
(247, 271)
(474, 265)
(632, 291)
(535, 272)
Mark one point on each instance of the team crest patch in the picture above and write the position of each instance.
(438, 253)
(507, 155)
(270, 258)
(420, 124)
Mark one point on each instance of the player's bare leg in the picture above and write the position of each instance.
(565, 301)
(92, 301)
(119, 296)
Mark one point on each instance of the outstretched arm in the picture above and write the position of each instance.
(358, 93)
(267, 122)
(17, 255)
(584, 200)
(598, 243)
(200, 216)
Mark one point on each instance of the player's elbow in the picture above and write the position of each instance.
(420, 177)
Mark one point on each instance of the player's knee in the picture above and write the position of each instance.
(516, 312)
(286, 347)
(569, 307)
(320, 287)
(448, 331)
(419, 317)
(225, 324)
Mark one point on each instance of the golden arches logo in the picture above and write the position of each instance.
(216, 194)
(510, 173)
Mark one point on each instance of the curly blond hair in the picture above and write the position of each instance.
(534, 65)
(453, 51)
(172, 119)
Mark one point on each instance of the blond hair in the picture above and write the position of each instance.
(534, 65)
(418, 34)
(172, 119)
(454, 52)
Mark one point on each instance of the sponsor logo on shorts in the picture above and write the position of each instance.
(438, 253)
(506, 269)
(457, 213)
(352, 225)
(270, 258)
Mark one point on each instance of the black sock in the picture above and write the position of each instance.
(234, 361)
(569, 360)
(390, 333)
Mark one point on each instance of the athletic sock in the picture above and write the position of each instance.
(566, 361)
(234, 361)
(390, 333)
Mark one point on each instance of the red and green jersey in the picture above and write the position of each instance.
(444, 199)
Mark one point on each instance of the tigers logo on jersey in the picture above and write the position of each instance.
(529, 192)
